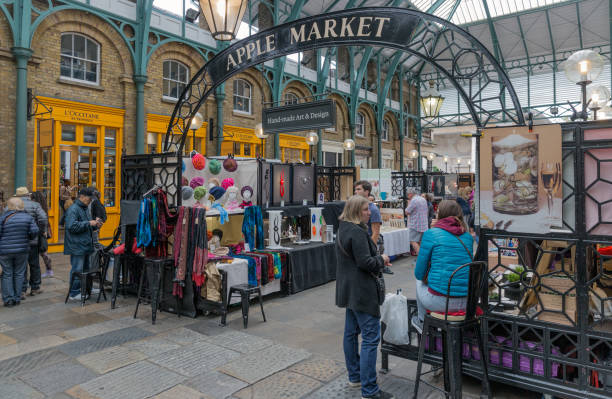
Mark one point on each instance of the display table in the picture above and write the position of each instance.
(310, 265)
(397, 241)
(238, 273)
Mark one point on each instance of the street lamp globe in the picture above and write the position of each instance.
(431, 156)
(312, 138)
(259, 133)
(348, 144)
(223, 17)
(599, 96)
(196, 121)
(413, 153)
(445, 158)
(583, 66)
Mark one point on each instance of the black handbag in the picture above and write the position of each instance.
(43, 244)
(379, 279)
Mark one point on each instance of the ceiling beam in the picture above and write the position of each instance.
(496, 47)
(523, 12)
(579, 25)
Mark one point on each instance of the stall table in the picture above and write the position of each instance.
(238, 273)
(397, 241)
(310, 265)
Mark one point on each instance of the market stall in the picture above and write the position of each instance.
(546, 233)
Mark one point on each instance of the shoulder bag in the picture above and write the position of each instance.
(379, 279)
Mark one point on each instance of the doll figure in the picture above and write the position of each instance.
(232, 198)
(247, 193)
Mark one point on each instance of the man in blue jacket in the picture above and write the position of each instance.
(78, 240)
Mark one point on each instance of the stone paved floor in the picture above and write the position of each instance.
(52, 350)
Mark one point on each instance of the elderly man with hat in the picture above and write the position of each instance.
(34, 209)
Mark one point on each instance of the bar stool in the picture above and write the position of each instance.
(452, 327)
(154, 269)
(95, 272)
(245, 291)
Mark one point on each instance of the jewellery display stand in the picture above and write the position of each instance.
(316, 224)
(275, 224)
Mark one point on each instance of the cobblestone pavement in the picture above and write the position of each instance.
(49, 349)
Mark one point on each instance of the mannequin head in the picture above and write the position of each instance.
(247, 193)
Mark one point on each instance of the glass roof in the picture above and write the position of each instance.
(469, 11)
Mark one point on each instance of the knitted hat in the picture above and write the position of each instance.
(196, 182)
(230, 164)
(217, 192)
(187, 192)
(246, 188)
(198, 161)
(184, 181)
(214, 166)
(199, 192)
(226, 183)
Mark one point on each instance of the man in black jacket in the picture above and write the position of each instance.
(97, 211)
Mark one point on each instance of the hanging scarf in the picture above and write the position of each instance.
(252, 227)
(252, 268)
(222, 213)
(181, 265)
(245, 204)
(200, 247)
(143, 228)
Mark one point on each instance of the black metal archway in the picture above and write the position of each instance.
(483, 84)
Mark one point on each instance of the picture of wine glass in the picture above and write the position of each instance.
(550, 175)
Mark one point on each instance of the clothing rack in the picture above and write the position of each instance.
(155, 187)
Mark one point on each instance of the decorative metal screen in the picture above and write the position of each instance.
(140, 173)
(332, 181)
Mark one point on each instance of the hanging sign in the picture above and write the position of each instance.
(289, 118)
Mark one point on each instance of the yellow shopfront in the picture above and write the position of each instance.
(81, 143)
(157, 125)
(241, 142)
(293, 148)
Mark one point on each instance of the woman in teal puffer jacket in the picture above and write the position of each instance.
(446, 246)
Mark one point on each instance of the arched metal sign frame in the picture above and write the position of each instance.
(484, 86)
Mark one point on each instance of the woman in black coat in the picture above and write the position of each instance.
(358, 266)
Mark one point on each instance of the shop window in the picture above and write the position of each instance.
(247, 150)
(176, 77)
(90, 134)
(110, 166)
(360, 125)
(80, 58)
(291, 98)
(68, 132)
(385, 130)
(332, 159)
(242, 96)
(388, 163)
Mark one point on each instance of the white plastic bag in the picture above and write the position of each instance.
(394, 314)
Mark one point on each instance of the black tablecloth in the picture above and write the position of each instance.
(311, 265)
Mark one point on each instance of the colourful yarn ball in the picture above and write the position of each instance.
(184, 181)
(230, 164)
(186, 192)
(227, 183)
(214, 166)
(196, 182)
(198, 161)
(199, 193)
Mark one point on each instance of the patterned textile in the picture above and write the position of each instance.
(252, 227)
(418, 211)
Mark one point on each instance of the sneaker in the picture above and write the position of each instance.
(387, 270)
(48, 273)
(23, 297)
(380, 395)
(37, 291)
(417, 324)
(9, 304)
(76, 297)
(354, 384)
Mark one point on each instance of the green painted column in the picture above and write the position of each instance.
(140, 81)
(22, 55)
(354, 149)
(220, 98)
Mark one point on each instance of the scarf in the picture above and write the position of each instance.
(143, 228)
(222, 213)
(451, 224)
(245, 204)
(252, 227)
(200, 247)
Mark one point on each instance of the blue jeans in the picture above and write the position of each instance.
(14, 269)
(428, 301)
(361, 367)
(34, 263)
(78, 263)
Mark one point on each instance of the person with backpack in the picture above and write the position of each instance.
(17, 228)
(43, 236)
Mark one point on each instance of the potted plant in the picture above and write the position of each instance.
(513, 288)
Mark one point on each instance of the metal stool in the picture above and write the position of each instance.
(154, 269)
(452, 328)
(89, 275)
(245, 291)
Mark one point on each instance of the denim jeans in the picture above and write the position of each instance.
(34, 263)
(428, 301)
(78, 263)
(361, 367)
(13, 274)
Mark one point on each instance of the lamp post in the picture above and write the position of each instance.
(597, 96)
(259, 133)
(312, 139)
(458, 165)
(446, 163)
(431, 101)
(223, 17)
(196, 123)
(582, 68)
(413, 155)
(430, 157)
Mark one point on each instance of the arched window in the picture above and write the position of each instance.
(242, 96)
(385, 130)
(80, 58)
(290, 98)
(360, 125)
(176, 77)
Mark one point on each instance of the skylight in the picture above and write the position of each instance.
(470, 11)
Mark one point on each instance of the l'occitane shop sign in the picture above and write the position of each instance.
(76, 112)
